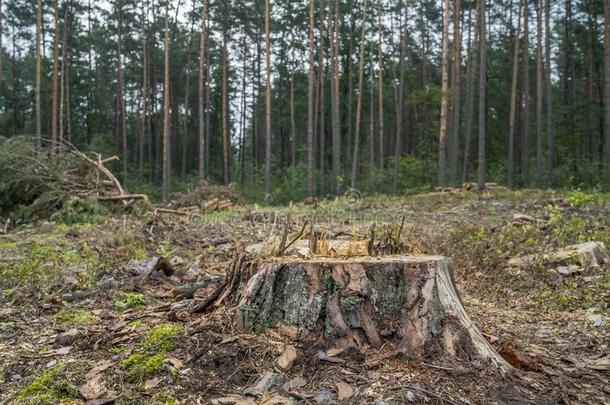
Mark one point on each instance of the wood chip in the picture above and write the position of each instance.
(344, 390)
(286, 360)
(94, 388)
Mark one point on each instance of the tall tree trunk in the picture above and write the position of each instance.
(442, 148)
(607, 82)
(187, 88)
(525, 142)
(549, 100)
(62, 76)
(371, 167)
(268, 184)
(350, 80)
(38, 68)
(55, 90)
(361, 63)
(381, 157)
(321, 75)
(166, 112)
(311, 159)
(143, 118)
(201, 91)
(513, 101)
(121, 90)
(539, 96)
(335, 120)
(293, 137)
(470, 95)
(38, 28)
(455, 92)
(482, 89)
(67, 95)
(401, 99)
(244, 106)
(226, 139)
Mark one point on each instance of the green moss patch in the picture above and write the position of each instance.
(75, 317)
(131, 301)
(49, 388)
(152, 351)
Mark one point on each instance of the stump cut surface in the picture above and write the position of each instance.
(408, 301)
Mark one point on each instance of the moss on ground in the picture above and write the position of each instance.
(152, 353)
(131, 301)
(75, 317)
(49, 388)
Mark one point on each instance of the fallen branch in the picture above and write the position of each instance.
(122, 197)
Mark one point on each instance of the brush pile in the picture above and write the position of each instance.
(46, 185)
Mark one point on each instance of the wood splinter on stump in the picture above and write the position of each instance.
(410, 301)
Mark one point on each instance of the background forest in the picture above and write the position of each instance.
(294, 98)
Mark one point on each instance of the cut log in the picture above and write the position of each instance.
(408, 301)
(587, 255)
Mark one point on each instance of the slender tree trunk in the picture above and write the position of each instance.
(38, 69)
(62, 77)
(166, 112)
(244, 106)
(549, 100)
(401, 99)
(67, 101)
(525, 142)
(513, 102)
(143, 119)
(442, 149)
(38, 29)
(293, 137)
(482, 89)
(539, 96)
(55, 90)
(607, 82)
(361, 63)
(372, 128)
(201, 91)
(268, 185)
(226, 139)
(321, 76)
(350, 80)
(187, 88)
(311, 160)
(381, 161)
(121, 90)
(335, 121)
(455, 92)
(470, 95)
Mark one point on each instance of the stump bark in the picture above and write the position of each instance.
(409, 301)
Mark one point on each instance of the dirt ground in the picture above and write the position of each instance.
(89, 313)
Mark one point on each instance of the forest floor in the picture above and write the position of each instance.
(88, 313)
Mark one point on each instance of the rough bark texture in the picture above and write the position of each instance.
(358, 303)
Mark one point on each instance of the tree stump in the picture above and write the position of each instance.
(409, 301)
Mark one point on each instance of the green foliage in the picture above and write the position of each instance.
(579, 199)
(75, 317)
(291, 185)
(140, 367)
(47, 260)
(152, 351)
(131, 301)
(32, 187)
(48, 388)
